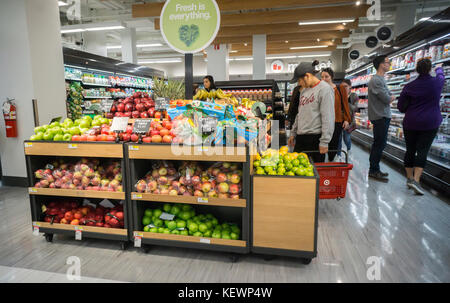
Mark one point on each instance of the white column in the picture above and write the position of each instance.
(129, 52)
(405, 16)
(95, 43)
(31, 63)
(218, 66)
(259, 57)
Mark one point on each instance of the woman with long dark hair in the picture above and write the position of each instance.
(208, 83)
(419, 101)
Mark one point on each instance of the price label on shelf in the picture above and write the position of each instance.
(141, 126)
(202, 148)
(137, 239)
(206, 241)
(119, 124)
(136, 196)
(78, 234)
(26, 144)
(73, 146)
(32, 190)
(202, 200)
(133, 147)
(161, 103)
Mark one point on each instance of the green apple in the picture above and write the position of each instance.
(166, 231)
(234, 236)
(68, 122)
(104, 120)
(85, 124)
(217, 234)
(45, 127)
(48, 136)
(198, 234)
(58, 137)
(77, 122)
(74, 130)
(202, 227)
(207, 234)
(54, 124)
(181, 224)
(83, 130)
(39, 136)
(88, 118)
(184, 233)
(146, 228)
(172, 225)
(97, 117)
(153, 230)
(193, 227)
(175, 232)
(148, 213)
(161, 230)
(67, 137)
(56, 130)
(226, 236)
(39, 129)
(96, 123)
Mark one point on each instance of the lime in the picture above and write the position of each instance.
(268, 169)
(260, 171)
(146, 220)
(290, 173)
(171, 225)
(256, 163)
(295, 162)
(281, 170)
(148, 213)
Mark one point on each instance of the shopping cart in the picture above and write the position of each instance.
(333, 177)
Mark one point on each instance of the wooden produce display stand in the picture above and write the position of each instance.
(285, 215)
(37, 153)
(141, 156)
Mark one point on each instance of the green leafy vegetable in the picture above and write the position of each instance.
(188, 34)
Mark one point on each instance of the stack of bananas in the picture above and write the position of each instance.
(247, 103)
(218, 95)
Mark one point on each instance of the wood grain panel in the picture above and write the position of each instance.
(193, 153)
(154, 9)
(84, 228)
(74, 149)
(286, 51)
(193, 239)
(284, 213)
(188, 200)
(76, 193)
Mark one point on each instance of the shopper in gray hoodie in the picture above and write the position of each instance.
(379, 109)
(314, 124)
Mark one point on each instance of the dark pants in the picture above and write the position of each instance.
(418, 141)
(309, 143)
(334, 143)
(380, 132)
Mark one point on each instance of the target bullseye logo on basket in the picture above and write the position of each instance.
(326, 182)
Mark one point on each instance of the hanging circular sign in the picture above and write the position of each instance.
(384, 33)
(371, 42)
(277, 66)
(354, 54)
(189, 26)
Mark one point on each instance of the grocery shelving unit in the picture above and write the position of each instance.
(37, 153)
(141, 156)
(285, 215)
(436, 173)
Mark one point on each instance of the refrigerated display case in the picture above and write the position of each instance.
(402, 71)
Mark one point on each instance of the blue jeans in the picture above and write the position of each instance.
(380, 132)
(347, 137)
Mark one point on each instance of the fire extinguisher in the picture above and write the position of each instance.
(9, 113)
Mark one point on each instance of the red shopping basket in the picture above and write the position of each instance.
(333, 178)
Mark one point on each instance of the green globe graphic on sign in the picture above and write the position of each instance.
(189, 26)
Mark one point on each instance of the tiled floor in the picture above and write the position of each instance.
(409, 234)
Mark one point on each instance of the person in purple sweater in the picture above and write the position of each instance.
(419, 101)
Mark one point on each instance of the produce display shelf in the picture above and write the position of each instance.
(83, 228)
(76, 193)
(73, 149)
(188, 200)
(190, 239)
(193, 153)
(73, 79)
(95, 84)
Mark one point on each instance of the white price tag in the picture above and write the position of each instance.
(73, 146)
(133, 147)
(206, 241)
(137, 239)
(136, 196)
(26, 144)
(32, 190)
(78, 234)
(35, 230)
(202, 200)
(202, 148)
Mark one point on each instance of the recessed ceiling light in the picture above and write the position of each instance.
(245, 44)
(75, 30)
(149, 45)
(286, 41)
(233, 51)
(62, 3)
(325, 21)
(104, 28)
(162, 60)
(318, 40)
(358, 3)
(343, 23)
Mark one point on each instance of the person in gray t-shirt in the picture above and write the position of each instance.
(379, 108)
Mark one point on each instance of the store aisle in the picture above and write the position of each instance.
(408, 233)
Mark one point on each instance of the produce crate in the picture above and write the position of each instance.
(38, 153)
(142, 156)
(284, 215)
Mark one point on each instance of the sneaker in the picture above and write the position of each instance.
(409, 183)
(384, 174)
(417, 188)
(378, 176)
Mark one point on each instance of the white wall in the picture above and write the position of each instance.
(31, 67)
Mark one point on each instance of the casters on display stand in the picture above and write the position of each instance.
(306, 261)
(145, 248)
(234, 258)
(123, 245)
(269, 257)
(49, 237)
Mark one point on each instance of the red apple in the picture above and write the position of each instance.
(129, 129)
(156, 139)
(164, 132)
(125, 137)
(147, 139)
(121, 107)
(167, 139)
(135, 114)
(134, 138)
(140, 107)
(144, 115)
(68, 216)
(128, 107)
(110, 138)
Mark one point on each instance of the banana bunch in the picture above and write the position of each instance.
(247, 102)
(214, 94)
(201, 95)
